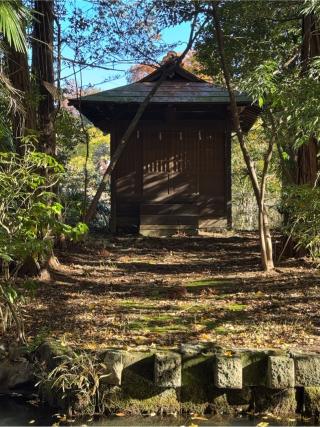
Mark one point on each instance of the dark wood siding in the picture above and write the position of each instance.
(126, 179)
(172, 174)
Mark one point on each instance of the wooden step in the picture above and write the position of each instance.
(168, 209)
(191, 220)
(167, 230)
(212, 223)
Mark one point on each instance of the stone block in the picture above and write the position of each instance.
(14, 374)
(280, 372)
(228, 372)
(277, 402)
(307, 370)
(197, 391)
(240, 399)
(312, 401)
(113, 359)
(167, 370)
(188, 350)
(49, 354)
(219, 404)
(255, 367)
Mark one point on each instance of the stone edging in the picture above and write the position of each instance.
(259, 380)
(195, 378)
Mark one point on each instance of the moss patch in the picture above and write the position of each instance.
(199, 285)
(158, 324)
(312, 401)
(236, 307)
(139, 395)
(142, 305)
(277, 402)
(197, 381)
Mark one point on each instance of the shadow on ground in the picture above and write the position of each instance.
(145, 291)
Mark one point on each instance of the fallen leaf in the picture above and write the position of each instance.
(199, 418)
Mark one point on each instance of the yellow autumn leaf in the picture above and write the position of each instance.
(260, 294)
(263, 424)
(199, 418)
(204, 337)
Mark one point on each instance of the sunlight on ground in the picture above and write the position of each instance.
(166, 291)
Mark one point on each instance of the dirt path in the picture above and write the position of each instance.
(144, 291)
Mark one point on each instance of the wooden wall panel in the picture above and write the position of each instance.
(212, 163)
(128, 169)
(181, 164)
(155, 165)
(126, 182)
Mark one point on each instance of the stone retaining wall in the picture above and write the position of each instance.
(196, 379)
(203, 380)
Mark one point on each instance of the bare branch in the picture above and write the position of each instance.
(167, 69)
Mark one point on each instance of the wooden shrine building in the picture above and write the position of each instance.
(175, 173)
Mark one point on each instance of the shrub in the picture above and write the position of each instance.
(302, 204)
(30, 218)
(77, 382)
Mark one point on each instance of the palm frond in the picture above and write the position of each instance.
(10, 94)
(12, 15)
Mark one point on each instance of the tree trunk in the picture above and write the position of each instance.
(168, 68)
(305, 168)
(43, 71)
(23, 121)
(19, 78)
(265, 239)
(307, 165)
(122, 145)
(259, 191)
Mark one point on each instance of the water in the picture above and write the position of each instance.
(18, 412)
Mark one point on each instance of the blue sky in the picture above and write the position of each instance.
(94, 76)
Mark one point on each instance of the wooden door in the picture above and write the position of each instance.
(184, 167)
(170, 165)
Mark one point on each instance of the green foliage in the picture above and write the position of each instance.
(12, 15)
(72, 194)
(244, 207)
(78, 380)
(69, 134)
(30, 218)
(303, 204)
(298, 106)
(29, 209)
(11, 299)
(76, 232)
(261, 83)
(311, 6)
(99, 149)
(255, 31)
